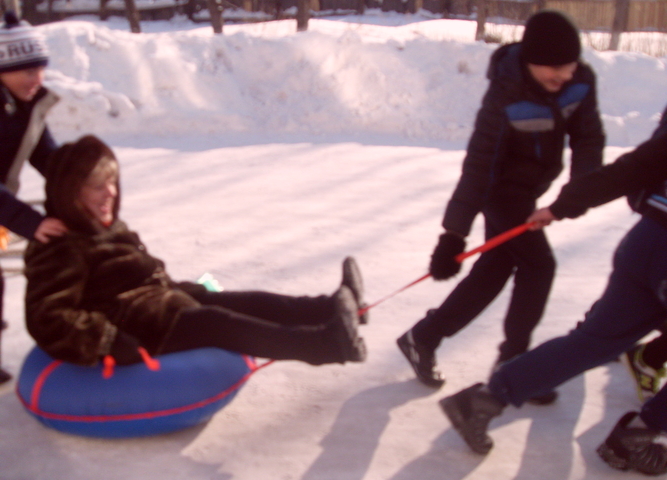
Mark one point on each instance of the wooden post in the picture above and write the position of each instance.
(132, 15)
(302, 15)
(215, 9)
(481, 20)
(30, 12)
(104, 13)
(620, 24)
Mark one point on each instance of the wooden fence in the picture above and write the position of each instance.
(590, 15)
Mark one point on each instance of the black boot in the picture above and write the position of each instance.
(345, 326)
(352, 280)
(470, 412)
(634, 448)
(422, 360)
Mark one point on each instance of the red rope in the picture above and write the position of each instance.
(488, 245)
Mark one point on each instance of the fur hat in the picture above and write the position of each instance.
(21, 45)
(550, 38)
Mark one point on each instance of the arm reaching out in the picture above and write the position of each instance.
(541, 218)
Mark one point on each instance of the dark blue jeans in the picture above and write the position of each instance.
(528, 257)
(633, 304)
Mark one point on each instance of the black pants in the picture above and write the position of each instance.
(261, 324)
(528, 257)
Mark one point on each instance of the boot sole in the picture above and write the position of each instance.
(610, 457)
(355, 347)
(352, 279)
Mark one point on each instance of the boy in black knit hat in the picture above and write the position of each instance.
(23, 133)
(539, 93)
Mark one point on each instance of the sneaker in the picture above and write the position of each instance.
(470, 412)
(352, 280)
(422, 360)
(354, 347)
(647, 379)
(635, 447)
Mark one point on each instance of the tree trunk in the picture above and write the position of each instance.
(620, 24)
(104, 14)
(215, 10)
(302, 15)
(481, 20)
(13, 5)
(361, 7)
(132, 16)
(30, 12)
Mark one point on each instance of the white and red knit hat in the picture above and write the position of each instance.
(21, 45)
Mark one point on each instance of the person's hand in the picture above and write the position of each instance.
(541, 218)
(49, 228)
(443, 262)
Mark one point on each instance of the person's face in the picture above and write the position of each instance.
(24, 84)
(552, 78)
(98, 196)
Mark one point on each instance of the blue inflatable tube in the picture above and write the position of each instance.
(188, 389)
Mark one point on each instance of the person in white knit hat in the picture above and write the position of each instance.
(23, 131)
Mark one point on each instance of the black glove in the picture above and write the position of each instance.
(125, 349)
(443, 265)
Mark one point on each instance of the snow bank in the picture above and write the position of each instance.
(423, 80)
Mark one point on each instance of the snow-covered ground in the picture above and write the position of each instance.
(265, 157)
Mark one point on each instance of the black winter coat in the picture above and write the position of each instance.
(641, 174)
(15, 118)
(517, 146)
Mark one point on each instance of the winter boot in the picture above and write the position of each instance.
(422, 360)
(346, 324)
(647, 380)
(470, 412)
(635, 447)
(352, 280)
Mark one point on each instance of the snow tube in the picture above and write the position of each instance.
(188, 388)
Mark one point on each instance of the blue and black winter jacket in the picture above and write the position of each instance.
(517, 146)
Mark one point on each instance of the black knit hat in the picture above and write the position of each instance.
(550, 38)
(21, 45)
